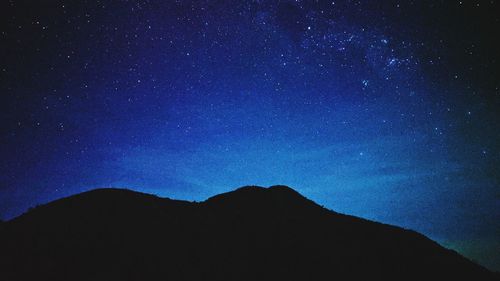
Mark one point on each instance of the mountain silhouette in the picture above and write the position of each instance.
(252, 233)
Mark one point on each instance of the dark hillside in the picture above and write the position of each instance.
(252, 233)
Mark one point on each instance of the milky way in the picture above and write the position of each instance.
(388, 111)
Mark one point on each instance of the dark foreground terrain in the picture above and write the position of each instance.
(252, 233)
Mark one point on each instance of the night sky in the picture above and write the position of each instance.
(388, 110)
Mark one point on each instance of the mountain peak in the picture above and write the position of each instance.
(256, 197)
(252, 233)
(255, 191)
(284, 189)
(257, 188)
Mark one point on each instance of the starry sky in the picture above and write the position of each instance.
(388, 110)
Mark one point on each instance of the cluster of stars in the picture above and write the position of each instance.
(354, 100)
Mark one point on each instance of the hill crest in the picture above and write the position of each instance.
(251, 233)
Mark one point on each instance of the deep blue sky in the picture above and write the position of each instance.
(388, 110)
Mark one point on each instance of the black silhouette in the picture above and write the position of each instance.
(252, 233)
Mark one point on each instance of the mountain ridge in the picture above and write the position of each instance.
(251, 233)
